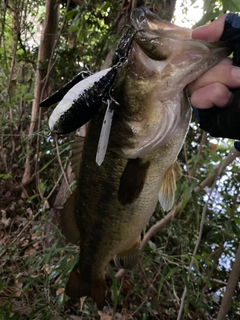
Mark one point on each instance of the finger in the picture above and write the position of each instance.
(215, 94)
(224, 73)
(210, 32)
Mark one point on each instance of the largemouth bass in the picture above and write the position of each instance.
(113, 202)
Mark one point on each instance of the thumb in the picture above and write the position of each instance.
(210, 32)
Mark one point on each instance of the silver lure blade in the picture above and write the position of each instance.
(104, 135)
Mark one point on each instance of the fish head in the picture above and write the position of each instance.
(150, 86)
(162, 50)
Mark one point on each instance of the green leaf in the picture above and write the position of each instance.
(196, 206)
(4, 176)
(114, 285)
(168, 275)
(32, 197)
(73, 28)
(231, 5)
(28, 96)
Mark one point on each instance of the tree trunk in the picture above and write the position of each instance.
(48, 38)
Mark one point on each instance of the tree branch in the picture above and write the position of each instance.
(162, 223)
(232, 282)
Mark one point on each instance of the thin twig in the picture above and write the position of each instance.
(60, 163)
(218, 173)
(202, 143)
(163, 222)
(220, 249)
(186, 157)
(55, 186)
(232, 282)
(25, 227)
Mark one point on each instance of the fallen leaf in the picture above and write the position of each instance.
(29, 251)
(82, 299)
(104, 316)
(60, 291)
(118, 316)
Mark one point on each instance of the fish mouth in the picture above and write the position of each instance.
(144, 19)
(156, 37)
(161, 40)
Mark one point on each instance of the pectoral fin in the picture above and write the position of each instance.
(128, 258)
(132, 180)
(168, 186)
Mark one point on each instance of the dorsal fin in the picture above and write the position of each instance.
(77, 148)
(168, 186)
(68, 220)
(68, 213)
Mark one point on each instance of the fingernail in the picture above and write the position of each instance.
(236, 72)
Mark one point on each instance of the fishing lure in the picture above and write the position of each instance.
(124, 44)
(59, 94)
(84, 99)
(121, 52)
(105, 132)
(82, 102)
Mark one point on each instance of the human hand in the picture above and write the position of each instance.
(213, 88)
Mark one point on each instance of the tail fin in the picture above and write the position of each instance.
(77, 287)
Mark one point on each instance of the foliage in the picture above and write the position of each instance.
(213, 9)
(35, 262)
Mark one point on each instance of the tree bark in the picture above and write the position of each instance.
(48, 38)
(232, 282)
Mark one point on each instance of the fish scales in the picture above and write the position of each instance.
(106, 227)
(121, 222)
(114, 202)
